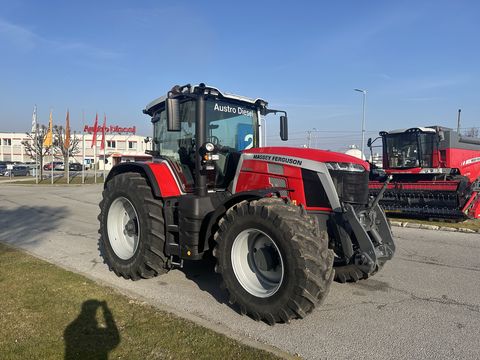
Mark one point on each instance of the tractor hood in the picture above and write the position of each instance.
(323, 156)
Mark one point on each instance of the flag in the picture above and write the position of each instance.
(34, 120)
(94, 138)
(66, 143)
(102, 145)
(49, 138)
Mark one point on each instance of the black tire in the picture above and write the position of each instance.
(351, 273)
(148, 259)
(306, 259)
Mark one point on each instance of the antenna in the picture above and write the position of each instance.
(458, 121)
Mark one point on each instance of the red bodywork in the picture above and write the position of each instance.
(309, 154)
(450, 158)
(255, 174)
(465, 161)
(165, 179)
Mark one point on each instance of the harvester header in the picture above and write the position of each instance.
(435, 170)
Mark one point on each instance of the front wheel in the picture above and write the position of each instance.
(132, 230)
(352, 273)
(274, 261)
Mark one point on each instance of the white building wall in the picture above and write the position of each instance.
(11, 148)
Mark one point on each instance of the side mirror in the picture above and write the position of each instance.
(441, 135)
(173, 114)
(369, 142)
(284, 128)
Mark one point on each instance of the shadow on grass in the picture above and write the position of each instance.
(25, 225)
(86, 338)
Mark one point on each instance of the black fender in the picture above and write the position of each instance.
(138, 167)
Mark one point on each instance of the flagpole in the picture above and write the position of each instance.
(104, 147)
(94, 145)
(51, 145)
(36, 142)
(67, 134)
(53, 159)
(95, 161)
(83, 147)
(68, 167)
(37, 167)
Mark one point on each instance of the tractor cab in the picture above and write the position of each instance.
(201, 132)
(407, 149)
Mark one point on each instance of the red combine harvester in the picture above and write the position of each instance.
(435, 173)
(277, 219)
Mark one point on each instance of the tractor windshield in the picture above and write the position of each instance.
(409, 150)
(231, 126)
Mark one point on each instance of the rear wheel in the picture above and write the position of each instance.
(132, 230)
(274, 261)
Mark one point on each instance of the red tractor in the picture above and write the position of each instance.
(276, 219)
(435, 170)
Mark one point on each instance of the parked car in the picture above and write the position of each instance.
(17, 170)
(75, 167)
(48, 166)
(59, 167)
(32, 165)
(3, 168)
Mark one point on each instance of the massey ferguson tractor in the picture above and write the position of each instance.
(435, 170)
(281, 222)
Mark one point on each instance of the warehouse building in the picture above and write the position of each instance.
(121, 146)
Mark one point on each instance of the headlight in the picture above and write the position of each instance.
(209, 147)
(345, 166)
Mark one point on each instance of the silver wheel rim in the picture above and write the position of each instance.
(257, 263)
(123, 228)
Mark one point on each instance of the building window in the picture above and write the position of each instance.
(7, 142)
(132, 145)
(111, 144)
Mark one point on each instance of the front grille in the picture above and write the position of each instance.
(352, 187)
(315, 195)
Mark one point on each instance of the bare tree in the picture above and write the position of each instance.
(59, 145)
(472, 132)
(34, 146)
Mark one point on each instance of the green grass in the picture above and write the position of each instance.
(41, 316)
(467, 224)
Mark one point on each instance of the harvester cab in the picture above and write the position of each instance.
(435, 170)
(277, 219)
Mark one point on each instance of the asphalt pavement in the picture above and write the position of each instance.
(424, 304)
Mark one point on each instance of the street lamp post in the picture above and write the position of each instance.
(364, 92)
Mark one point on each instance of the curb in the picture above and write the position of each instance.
(414, 225)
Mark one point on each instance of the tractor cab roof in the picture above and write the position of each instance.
(209, 90)
(427, 130)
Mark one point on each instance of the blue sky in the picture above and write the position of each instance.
(418, 60)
